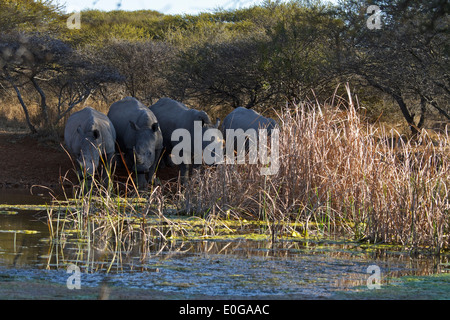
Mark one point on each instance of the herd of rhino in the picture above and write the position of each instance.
(139, 135)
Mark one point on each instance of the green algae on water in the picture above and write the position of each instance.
(8, 212)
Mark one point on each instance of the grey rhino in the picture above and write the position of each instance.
(138, 136)
(89, 134)
(173, 115)
(243, 118)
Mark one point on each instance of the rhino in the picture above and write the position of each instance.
(243, 118)
(89, 135)
(241, 129)
(173, 115)
(139, 137)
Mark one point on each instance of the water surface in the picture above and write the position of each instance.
(313, 269)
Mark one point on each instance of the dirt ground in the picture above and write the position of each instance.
(25, 161)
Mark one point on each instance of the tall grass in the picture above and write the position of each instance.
(116, 217)
(338, 176)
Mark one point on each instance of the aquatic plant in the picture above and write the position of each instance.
(339, 176)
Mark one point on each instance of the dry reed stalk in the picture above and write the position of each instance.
(337, 170)
(338, 175)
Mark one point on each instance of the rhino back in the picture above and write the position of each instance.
(84, 119)
(89, 119)
(171, 114)
(174, 115)
(122, 112)
(243, 118)
(167, 105)
(126, 110)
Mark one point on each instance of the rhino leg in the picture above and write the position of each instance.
(168, 159)
(187, 171)
(184, 173)
(197, 169)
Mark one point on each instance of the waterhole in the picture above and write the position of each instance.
(218, 268)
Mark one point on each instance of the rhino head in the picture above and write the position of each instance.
(207, 125)
(88, 156)
(148, 139)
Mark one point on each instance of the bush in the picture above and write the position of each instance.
(144, 64)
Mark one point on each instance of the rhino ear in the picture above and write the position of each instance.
(155, 127)
(203, 117)
(134, 126)
(217, 123)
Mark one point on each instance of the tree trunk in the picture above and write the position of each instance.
(401, 103)
(25, 110)
(404, 109)
(423, 109)
(22, 103)
(44, 107)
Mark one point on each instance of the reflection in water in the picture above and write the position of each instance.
(34, 196)
(20, 238)
(216, 267)
(244, 268)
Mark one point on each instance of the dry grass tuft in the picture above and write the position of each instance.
(342, 176)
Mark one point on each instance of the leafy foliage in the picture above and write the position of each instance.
(48, 65)
(407, 58)
(29, 15)
(263, 56)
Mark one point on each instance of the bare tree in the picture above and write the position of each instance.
(54, 71)
(143, 64)
(406, 58)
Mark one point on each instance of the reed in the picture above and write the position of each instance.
(339, 176)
